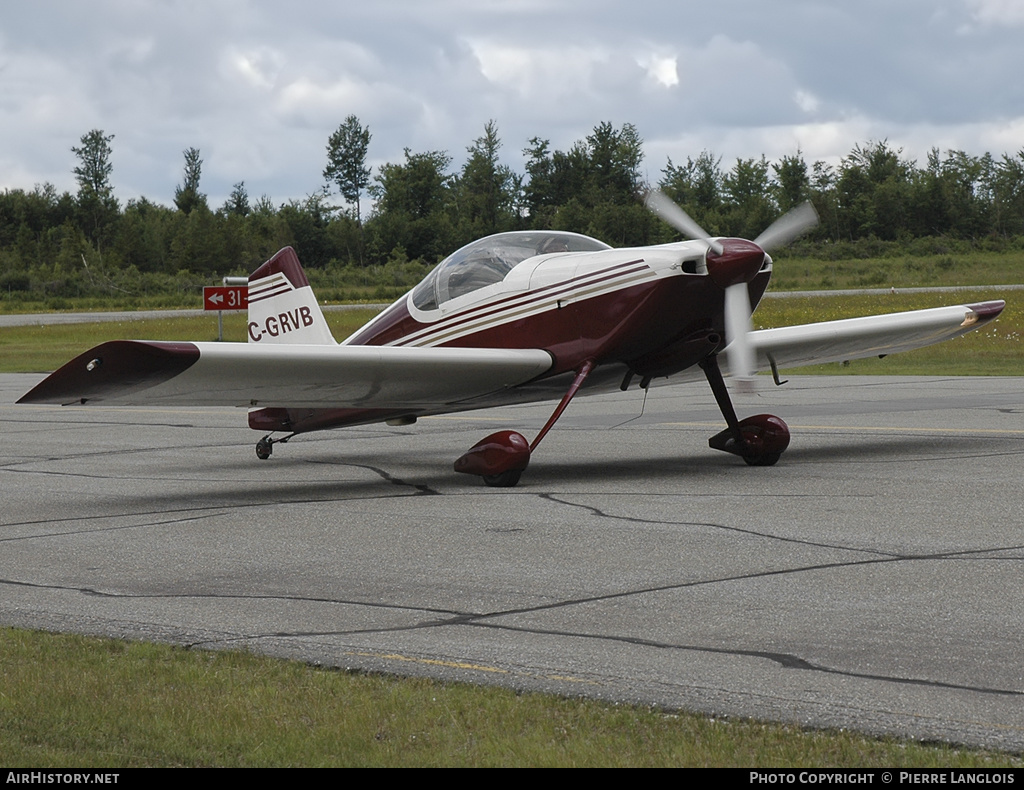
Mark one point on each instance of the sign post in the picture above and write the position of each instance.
(232, 295)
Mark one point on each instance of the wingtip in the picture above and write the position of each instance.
(986, 311)
(115, 368)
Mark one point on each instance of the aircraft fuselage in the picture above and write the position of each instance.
(634, 313)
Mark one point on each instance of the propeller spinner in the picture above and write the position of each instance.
(732, 263)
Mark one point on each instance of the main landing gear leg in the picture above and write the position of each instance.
(501, 458)
(759, 440)
(265, 446)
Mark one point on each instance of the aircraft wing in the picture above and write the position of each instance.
(870, 336)
(151, 373)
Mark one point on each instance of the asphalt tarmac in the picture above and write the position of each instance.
(871, 580)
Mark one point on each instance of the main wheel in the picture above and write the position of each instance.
(504, 479)
(765, 437)
(765, 459)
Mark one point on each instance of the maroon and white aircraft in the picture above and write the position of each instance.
(512, 318)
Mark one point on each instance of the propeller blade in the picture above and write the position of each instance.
(658, 202)
(787, 227)
(738, 326)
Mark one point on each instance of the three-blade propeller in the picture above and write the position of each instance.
(663, 206)
(738, 319)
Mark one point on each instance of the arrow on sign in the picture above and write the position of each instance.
(225, 297)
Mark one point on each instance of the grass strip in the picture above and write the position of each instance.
(68, 700)
(993, 351)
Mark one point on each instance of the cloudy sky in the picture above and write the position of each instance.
(259, 85)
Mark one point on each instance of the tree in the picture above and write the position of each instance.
(538, 194)
(750, 208)
(96, 200)
(93, 174)
(187, 197)
(874, 191)
(697, 187)
(615, 158)
(1007, 189)
(792, 184)
(825, 199)
(346, 161)
(238, 201)
(487, 189)
(418, 187)
(413, 199)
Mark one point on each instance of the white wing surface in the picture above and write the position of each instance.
(133, 372)
(857, 338)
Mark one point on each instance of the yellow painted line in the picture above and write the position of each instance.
(96, 411)
(433, 662)
(904, 429)
(465, 665)
(465, 417)
(570, 679)
(890, 428)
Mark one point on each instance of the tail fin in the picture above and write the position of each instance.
(282, 307)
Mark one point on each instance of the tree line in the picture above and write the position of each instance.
(425, 206)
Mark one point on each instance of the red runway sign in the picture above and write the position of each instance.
(225, 297)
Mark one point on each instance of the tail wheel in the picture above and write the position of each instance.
(264, 448)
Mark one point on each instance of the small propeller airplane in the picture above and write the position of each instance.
(516, 317)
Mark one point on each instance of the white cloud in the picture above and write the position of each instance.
(532, 72)
(661, 69)
(258, 86)
(305, 95)
(134, 51)
(259, 67)
(998, 12)
(807, 101)
(1001, 138)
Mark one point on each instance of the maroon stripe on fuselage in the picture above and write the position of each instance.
(512, 307)
(669, 320)
(400, 328)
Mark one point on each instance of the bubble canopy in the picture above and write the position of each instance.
(489, 260)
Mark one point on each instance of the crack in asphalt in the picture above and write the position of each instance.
(203, 511)
(656, 522)
(444, 618)
(180, 520)
(784, 660)
(97, 593)
(451, 618)
(421, 489)
(12, 466)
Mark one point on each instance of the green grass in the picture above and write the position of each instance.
(89, 702)
(944, 263)
(959, 270)
(994, 351)
(38, 349)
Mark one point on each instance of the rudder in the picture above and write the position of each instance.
(282, 306)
